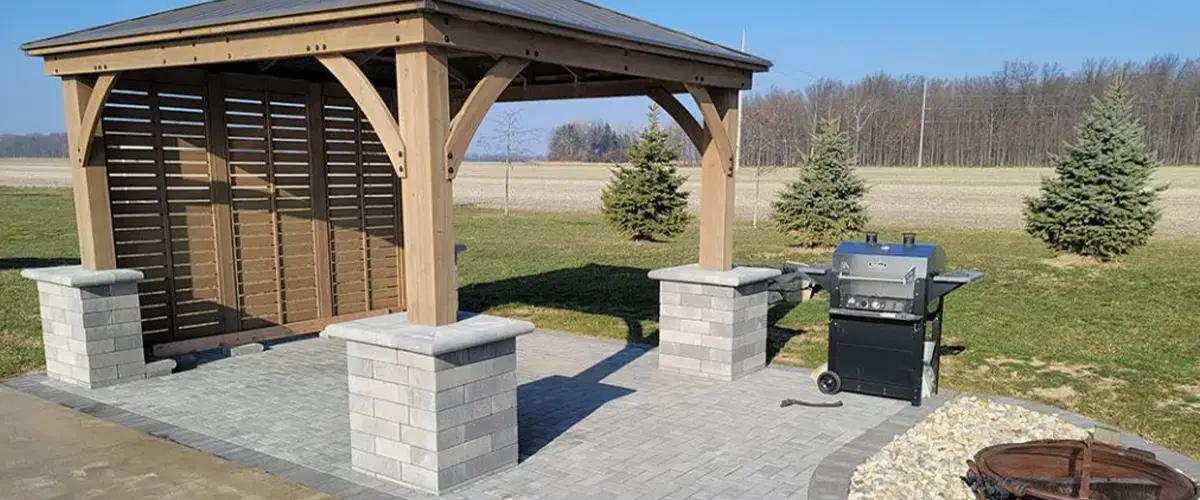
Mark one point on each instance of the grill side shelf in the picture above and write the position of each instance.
(821, 274)
(945, 283)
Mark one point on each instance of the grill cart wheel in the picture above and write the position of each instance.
(829, 382)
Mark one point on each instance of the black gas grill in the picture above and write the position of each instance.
(885, 316)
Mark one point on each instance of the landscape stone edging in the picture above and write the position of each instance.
(831, 480)
(291, 471)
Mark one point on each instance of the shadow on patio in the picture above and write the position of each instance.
(551, 406)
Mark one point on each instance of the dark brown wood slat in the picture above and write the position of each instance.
(189, 295)
(192, 319)
(119, 97)
(136, 222)
(197, 307)
(257, 322)
(189, 333)
(196, 282)
(140, 114)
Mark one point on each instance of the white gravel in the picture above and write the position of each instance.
(927, 461)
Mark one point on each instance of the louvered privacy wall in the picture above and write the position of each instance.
(363, 212)
(274, 205)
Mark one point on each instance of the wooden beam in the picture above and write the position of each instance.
(291, 42)
(712, 116)
(422, 91)
(581, 90)
(372, 105)
(89, 179)
(468, 119)
(680, 114)
(488, 38)
(717, 184)
(90, 121)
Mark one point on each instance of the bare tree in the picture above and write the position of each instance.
(508, 139)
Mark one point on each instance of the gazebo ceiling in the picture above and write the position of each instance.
(232, 16)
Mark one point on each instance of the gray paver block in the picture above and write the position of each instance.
(161, 367)
(246, 349)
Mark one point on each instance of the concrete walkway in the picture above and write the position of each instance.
(51, 452)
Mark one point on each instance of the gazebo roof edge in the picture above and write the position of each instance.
(572, 14)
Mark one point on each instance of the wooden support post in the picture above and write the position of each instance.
(84, 96)
(222, 196)
(320, 197)
(717, 181)
(423, 99)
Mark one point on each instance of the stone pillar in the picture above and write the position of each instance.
(432, 408)
(713, 324)
(91, 324)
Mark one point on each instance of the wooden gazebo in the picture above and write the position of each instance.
(272, 167)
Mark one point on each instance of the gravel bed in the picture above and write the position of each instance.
(927, 461)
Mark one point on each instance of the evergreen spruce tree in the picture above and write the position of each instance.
(1100, 202)
(644, 199)
(824, 206)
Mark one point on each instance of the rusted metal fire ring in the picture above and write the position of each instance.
(1074, 470)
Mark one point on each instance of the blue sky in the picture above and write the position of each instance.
(805, 39)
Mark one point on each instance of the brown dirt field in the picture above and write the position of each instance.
(900, 196)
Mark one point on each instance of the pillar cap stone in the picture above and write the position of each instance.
(78, 277)
(738, 276)
(396, 332)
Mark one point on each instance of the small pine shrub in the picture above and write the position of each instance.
(644, 200)
(824, 206)
(1099, 203)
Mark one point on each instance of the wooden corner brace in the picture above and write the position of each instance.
(372, 105)
(468, 119)
(90, 119)
(680, 114)
(714, 124)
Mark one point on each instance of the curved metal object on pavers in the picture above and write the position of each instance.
(1074, 470)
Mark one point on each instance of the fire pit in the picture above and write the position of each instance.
(1073, 470)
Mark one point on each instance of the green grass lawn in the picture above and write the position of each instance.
(1120, 345)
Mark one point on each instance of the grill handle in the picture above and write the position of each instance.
(851, 277)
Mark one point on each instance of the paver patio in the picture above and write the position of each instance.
(597, 420)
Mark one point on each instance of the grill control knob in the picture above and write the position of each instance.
(850, 301)
(876, 305)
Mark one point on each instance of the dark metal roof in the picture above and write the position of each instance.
(574, 14)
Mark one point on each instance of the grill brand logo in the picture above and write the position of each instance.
(878, 264)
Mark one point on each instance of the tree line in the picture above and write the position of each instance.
(1012, 117)
(33, 145)
(598, 142)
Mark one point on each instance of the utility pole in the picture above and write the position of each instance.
(921, 142)
(737, 153)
